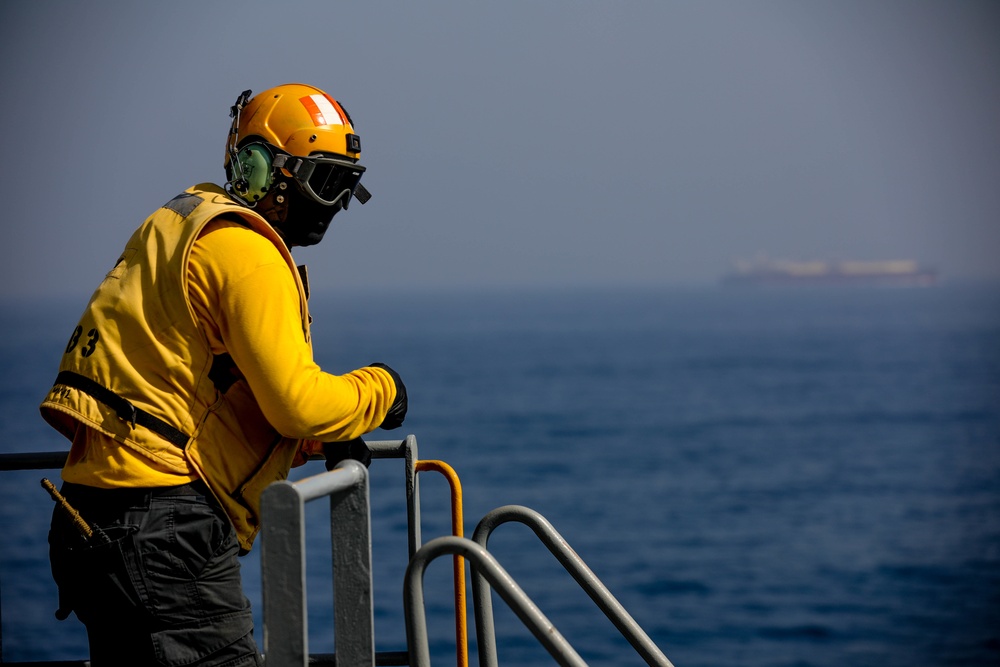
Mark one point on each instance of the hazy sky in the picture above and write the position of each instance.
(516, 143)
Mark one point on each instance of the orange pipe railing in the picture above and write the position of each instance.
(461, 618)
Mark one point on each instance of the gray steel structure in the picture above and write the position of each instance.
(283, 573)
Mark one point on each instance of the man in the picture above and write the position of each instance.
(189, 386)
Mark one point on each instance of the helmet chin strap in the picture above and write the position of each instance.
(273, 207)
(298, 219)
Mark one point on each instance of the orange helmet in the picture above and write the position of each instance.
(300, 131)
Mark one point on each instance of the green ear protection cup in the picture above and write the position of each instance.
(254, 171)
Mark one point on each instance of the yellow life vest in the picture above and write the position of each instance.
(139, 369)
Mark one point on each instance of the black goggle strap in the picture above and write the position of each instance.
(340, 171)
(361, 194)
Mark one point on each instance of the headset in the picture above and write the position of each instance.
(251, 168)
(254, 170)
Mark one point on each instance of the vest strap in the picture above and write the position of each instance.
(123, 408)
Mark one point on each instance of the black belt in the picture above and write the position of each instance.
(90, 499)
(125, 410)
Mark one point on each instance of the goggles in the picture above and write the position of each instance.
(325, 179)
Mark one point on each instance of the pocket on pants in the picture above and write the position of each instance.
(179, 536)
(187, 643)
(96, 576)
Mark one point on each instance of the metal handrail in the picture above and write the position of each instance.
(488, 568)
(285, 626)
(598, 592)
(405, 449)
(283, 566)
(458, 530)
(33, 460)
(283, 554)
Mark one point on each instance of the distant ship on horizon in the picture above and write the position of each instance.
(885, 273)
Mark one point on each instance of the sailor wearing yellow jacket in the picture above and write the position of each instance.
(189, 385)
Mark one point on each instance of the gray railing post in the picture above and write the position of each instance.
(406, 450)
(412, 496)
(286, 641)
(283, 575)
(353, 605)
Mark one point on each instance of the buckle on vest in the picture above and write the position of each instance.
(131, 416)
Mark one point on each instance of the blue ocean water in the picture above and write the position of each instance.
(762, 478)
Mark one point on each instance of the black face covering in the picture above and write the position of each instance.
(299, 219)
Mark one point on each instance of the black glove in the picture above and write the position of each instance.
(356, 449)
(397, 411)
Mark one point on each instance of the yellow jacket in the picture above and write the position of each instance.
(152, 365)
